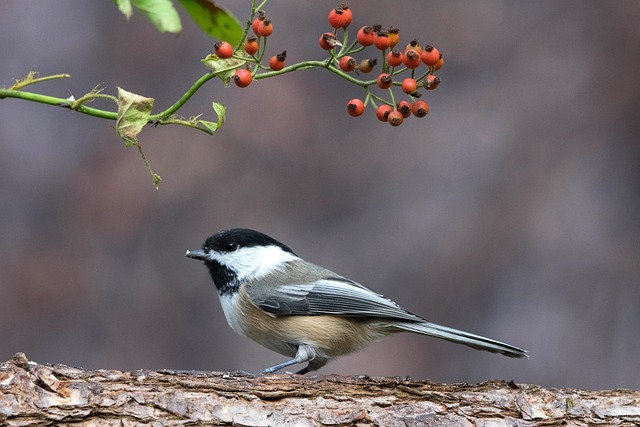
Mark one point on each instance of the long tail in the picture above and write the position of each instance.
(454, 335)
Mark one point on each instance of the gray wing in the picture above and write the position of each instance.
(325, 293)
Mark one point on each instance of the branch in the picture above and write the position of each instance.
(78, 105)
(33, 394)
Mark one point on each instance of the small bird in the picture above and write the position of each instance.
(304, 311)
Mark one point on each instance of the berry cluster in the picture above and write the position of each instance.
(394, 63)
(399, 68)
(253, 46)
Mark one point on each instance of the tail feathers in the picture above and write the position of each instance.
(454, 335)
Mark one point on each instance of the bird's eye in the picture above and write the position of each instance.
(230, 246)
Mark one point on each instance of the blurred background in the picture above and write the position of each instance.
(511, 211)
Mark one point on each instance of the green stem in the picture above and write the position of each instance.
(305, 65)
(345, 40)
(163, 115)
(385, 68)
(183, 100)
(422, 76)
(367, 99)
(373, 96)
(103, 114)
(261, 5)
(400, 71)
(246, 27)
(393, 99)
(59, 102)
(262, 49)
(351, 50)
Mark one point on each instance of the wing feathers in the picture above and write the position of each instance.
(335, 296)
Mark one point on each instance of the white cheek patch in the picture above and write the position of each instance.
(254, 262)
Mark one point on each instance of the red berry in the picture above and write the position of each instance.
(340, 17)
(409, 85)
(255, 26)
(411, 59)
(366, 65)
(251, 45)
(383, 111)
(430, 56)
(420, 109)
(266, 29)
(355, 107)
(439, 64)
(276, 63)
(242, 78)
(366, 36)
(404, 107)
(263, 28)
(347, 63)
(431, 82)
(382, 40)
(395, 118)
(328, 41)
(347, 10)
(395, 57)
(223, 50)
(393, 36)
(384, 81)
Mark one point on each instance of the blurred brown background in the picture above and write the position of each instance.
(512, 211)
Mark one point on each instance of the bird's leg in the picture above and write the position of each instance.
(305, 353)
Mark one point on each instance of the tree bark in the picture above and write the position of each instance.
(33, 394)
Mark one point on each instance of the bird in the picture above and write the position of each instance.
(306, 312)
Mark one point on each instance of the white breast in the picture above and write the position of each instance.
(232, 312)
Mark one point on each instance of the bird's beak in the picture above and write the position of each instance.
(197, 254)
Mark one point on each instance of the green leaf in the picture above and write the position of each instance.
(125, 7)
(214, 20)
(133, 113)
(161, 13)
(223, 68)
(221, 112)
(211, 127)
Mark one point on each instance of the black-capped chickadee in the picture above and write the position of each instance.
(304, 311)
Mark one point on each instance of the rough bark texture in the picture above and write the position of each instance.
(33, 394)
